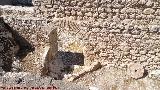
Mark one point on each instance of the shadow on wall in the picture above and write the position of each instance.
(63, 64)
(16, 2)
(24, 47)
(70, 58)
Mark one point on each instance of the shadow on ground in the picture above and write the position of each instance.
(24, 46)
(70, 58)
(64, 63)
(16, 2)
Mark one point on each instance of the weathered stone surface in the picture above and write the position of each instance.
(154, 74)
(36, 48)
(136, 71)
(93, 67)
(148, 11)
(95, 29)
(29, 80)
(116, 79)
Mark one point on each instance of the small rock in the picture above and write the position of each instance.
(142, 2)
(136, 71)
(148, 11)
(143, 52)
(154, 74)
(87, 69)
(157, 12)
(149, 3)
(93, 88)
(93, 67)
(154, 28)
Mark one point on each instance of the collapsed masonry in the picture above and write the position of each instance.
(113, 32)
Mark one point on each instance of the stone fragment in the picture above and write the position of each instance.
(142, 2)
(89, 14)
(87, 69)
(143, 52)
(123, 10)
(136, 71)
(149, 3)
(73, 12)
(93, 88)
(143, 58)
(67, 13)
(155, 74)
(154, 28)
(148, 11)
(157, 12)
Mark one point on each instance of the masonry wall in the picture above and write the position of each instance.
(33, 31)
(113, 32)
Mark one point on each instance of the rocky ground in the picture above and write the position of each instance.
(102, 79)
(132, 31)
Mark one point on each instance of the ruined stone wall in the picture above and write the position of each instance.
(34, 37)
(113, 32)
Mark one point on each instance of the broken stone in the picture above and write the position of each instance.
(143, 58)
(143, 52)
(148, 11)
(149, 3)
(154, 28)
(136, 71)
(142, 2)
(154, 74)
(157, 12)
(93, 88)
(87, 69)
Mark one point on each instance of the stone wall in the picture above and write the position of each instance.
(16, 2)
(37, 34)
(113, 32)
